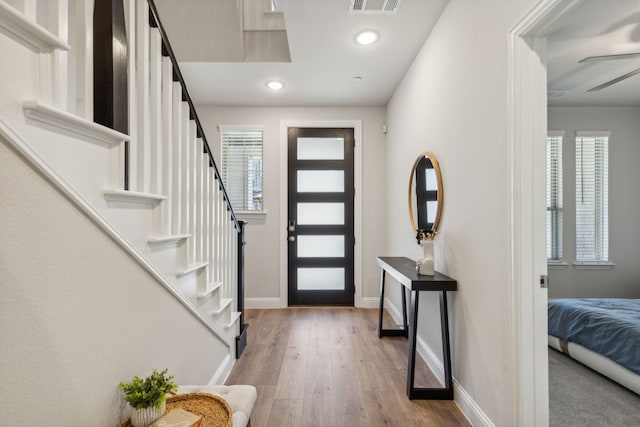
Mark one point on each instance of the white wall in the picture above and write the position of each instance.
(623, 281)
(77, 314)
(262, 262)
(453, 102)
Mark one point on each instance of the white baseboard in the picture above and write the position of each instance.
(395, 313)
(369, 302)
(465, 402)
(263, 303)
(223, 371)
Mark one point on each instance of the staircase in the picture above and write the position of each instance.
(154, 190)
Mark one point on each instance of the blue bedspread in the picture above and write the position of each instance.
(608, 326)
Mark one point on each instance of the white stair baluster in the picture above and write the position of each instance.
(184, 173)
(155, 124)
(142, 85)
(176, 208)
(206, 211)
(199, 194)
(167, 143)
(193, 161)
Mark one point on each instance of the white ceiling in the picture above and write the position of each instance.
(595, 28)
(324, 57)
(208, 38)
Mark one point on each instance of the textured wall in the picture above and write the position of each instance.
(77, 314)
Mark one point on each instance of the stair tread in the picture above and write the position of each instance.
(224, 303)
(168, 239)
(213, 286)
(67, 122)
(234, 318)
(192, 268)
(133, 197)
(28, 32)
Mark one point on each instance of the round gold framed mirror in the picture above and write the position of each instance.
(425, 196)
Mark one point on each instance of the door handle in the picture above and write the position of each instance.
(292, 238)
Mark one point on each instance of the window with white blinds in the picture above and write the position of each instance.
(592, 195)
(554, 196)
(241, 166)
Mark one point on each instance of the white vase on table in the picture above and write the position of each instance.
(425, 264)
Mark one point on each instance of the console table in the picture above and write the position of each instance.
(404, 271)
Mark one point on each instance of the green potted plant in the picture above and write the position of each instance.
(147, 397)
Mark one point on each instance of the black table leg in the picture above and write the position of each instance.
(413, 335)
(404, 332)
(404, 311)
(435, 393)
(381, 303)
(446, 349)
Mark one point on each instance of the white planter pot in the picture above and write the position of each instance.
(144, 417)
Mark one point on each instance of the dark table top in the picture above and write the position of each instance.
(404, 271)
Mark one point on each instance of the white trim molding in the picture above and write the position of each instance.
(263, 303)
(356, 125)
(527, 129)
(593, 265)
(65, 123)
(133, 197)
(27, 32)
(223, 371)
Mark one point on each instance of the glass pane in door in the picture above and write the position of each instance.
(320, 213)
(320, 246)
(313, 181)
(310, 279)
(320, 148)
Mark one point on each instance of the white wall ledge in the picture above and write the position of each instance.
(27, 32)
(557, 265)
(593, 265)
(251, 216)
(133, 197)
(64, 122)
(168, 239)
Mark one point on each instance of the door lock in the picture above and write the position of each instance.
(544, 281)
(292, 225)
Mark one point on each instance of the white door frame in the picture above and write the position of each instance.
(356, 125)
(527, 124)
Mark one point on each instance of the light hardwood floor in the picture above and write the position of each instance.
(327, 367)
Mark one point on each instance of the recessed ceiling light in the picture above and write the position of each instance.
(366, 37)
(275, 85)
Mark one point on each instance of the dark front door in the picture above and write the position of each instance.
(320, 222)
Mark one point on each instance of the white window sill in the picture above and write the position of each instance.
(584, 265)
(252, 216)
(557, 265)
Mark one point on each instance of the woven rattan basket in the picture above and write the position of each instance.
(215, 411)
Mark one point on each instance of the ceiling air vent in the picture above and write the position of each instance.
(373, 6)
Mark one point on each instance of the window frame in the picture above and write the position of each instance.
(243, 214)
(556, 263)
(593, 263)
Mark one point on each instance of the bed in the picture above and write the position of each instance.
(602, 333)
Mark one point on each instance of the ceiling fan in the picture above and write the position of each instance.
(609, 58)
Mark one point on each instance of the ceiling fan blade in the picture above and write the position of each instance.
(616, 80)
(609, 57)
